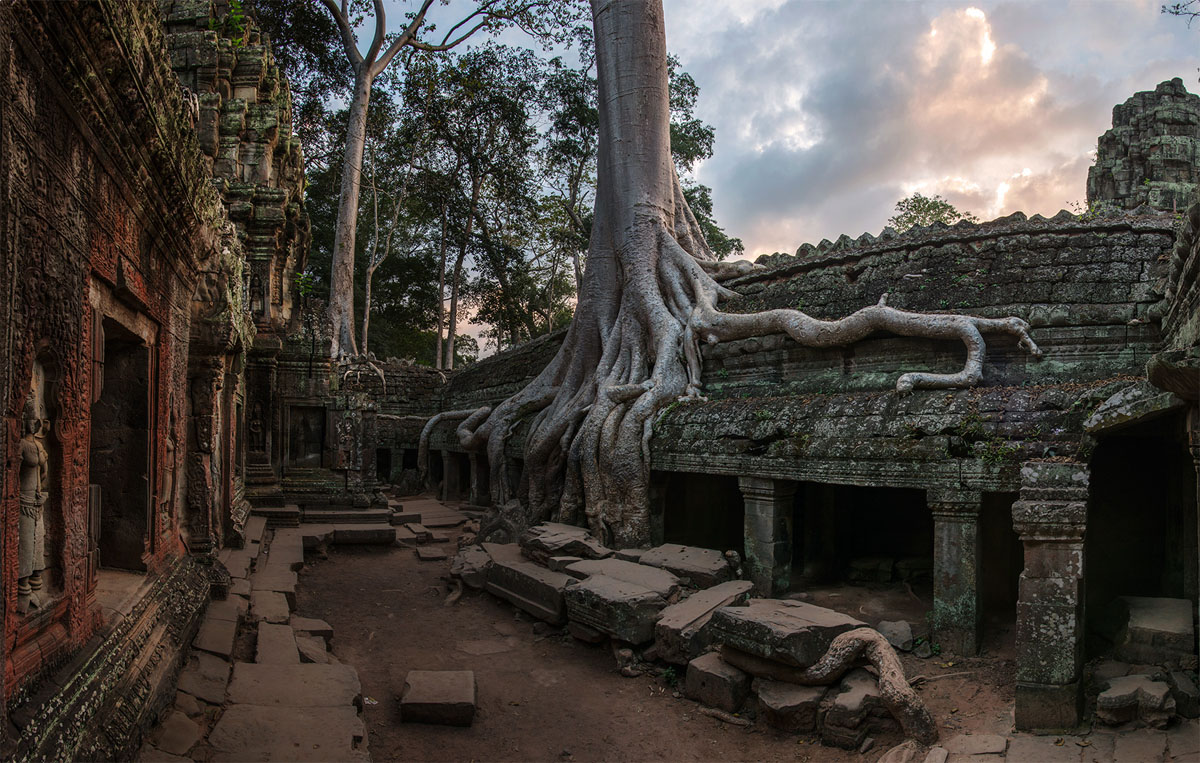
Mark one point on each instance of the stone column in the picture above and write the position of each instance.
(1051, 518)
(1193, 429)
(768, 530)
(956, 616)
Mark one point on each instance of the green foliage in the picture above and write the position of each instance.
(232, 24)
(306, 283)
(919, 210)
(669, 675)
(763, 414)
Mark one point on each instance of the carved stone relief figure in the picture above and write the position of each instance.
(34, 481)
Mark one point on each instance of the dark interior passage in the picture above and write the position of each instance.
(383, 464)
(1002, 557)
(306, 436)
(120, 449)
(702, 510)
(861, 535)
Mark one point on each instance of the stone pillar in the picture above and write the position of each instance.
(1193, 429)
(1051, 518)
(956, 616)
(768, 530)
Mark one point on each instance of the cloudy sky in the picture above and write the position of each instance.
(828, 112)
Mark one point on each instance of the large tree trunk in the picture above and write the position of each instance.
(341, 287)
(649, 296)
(456, 282)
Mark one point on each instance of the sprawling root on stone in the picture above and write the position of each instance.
(845, 651)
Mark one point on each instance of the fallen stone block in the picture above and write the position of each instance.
(682, 631)
(431, 554)
(898, 633)
(908, 751)
(364, 534)
(714, 683)
(792, 632)
(549, 539)
(1183, 690)
(532, 588)
(629, 554)
(406, 537)
(422, 533)
(276, 645)
(405, 517)
(312, 649)
(250, 732)
(1135, 697)
(585, 633)
(654, 579)
(294, 685)
(786, 706)
(444, 697)
(311, 626)
(271, 606)
(618, 608)
(701, 567)
(205, 677)
(853, 710)
(1155, 631)
(471, 566)
(560, 563)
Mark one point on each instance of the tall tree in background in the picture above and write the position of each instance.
(539, 16)
(650, 295)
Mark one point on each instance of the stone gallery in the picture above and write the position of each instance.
(807, 517)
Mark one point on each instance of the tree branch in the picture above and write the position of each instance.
(348, 42)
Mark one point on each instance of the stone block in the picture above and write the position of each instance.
(205, 677)
(787, 706)
(240, 587)
(549, 539)
(276, 645)
(406, 517)
(325, 686)
(712, 682)
(701, 567)
(177, 734)
(471, 566)
(278, 579)
(314, 536)
(585, 633)
(1183, 689)
(1140, 746)
(364, 534)
(629, 554)
(682, 631)
(1135, 697)
(255, 527)
(216, 637)
(854, 709)
(312, 627)
(312, 649)
(1183, 741)
(187, 704)
(1047, 707)
(1042, 749)
(534, 589)
(444, 697)
(422, 533)
(1157, 630)
(431, 554)
(654, 579)
(232, 608)
(560, 563)
(287, 549)
(976, 744)
(623, 610)
(270, 606)
(792, 632)
(250, 732)
(898, 633)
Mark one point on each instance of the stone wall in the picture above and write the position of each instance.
(1152, 153)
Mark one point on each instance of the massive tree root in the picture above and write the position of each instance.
(649, 297)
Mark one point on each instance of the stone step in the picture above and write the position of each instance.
(347, 516)
(278, 516)
(287, 549)
(255, 527)
(405, 517)
(682, 631)
(364, 534)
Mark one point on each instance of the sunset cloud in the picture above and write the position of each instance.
(828, 113)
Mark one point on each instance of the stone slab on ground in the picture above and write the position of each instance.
(1183, 740)
(312, 649)
(276, 645)
(443, 697)
(308, 685)
(151, 754)
(471, 566)
(658, 580)
(187, 704)
(1042, 749)
(1135, 697)
(621, 609)
(543, 541)
(786, 706)
(177, 734)
(792, 632)
(287, 549)
(205, 677)
(246, 732)
(312, 626)
(364, 534)
(422, 533)
(271, 606)
(976, 744)
(629, 554)
(255, 527)
(682, 631)
(314, 536)
(237, 561)
(240, 587)
(560, 563)
(898, 633)
(1140, 746)
(230, 608)
(216, 637)
(276, 578)
(530, 587)
(714, 683)
(431, 554)
(702, 567)
(1157, 629)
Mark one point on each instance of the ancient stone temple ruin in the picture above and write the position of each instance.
(172, 414)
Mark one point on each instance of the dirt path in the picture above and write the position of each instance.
(542, 696)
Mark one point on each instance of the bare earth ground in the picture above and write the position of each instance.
(551, 698)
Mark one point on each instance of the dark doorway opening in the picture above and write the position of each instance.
(306, 437)
(120, 449)
(703, 510)
(383, 464)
